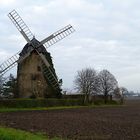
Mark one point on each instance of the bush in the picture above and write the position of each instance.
(112, 102)
(101, 102)
(31, 103)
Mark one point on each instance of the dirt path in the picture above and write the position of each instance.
(106, 123)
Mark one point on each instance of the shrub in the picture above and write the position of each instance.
(101, 102)
(31, 103)
(112, 102)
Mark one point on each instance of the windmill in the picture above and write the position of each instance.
(35, 71)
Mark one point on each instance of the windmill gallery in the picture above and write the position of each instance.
(36, 75)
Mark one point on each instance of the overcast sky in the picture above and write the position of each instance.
(107, 35)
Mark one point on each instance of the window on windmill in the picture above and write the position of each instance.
(33, 77)
(38, 68)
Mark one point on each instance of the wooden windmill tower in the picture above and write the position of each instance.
(35, 72)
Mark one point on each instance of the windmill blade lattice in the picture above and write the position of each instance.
(48, 73)
(57, 36)
(21, 26)
(8, 64)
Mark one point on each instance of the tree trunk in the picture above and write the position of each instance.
(105, 96)
(86, 99)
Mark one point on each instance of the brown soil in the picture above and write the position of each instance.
(102, 123)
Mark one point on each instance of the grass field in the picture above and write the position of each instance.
(14, 134)
(39, 108)
(53, 108)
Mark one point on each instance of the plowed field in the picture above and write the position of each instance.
(100, 123)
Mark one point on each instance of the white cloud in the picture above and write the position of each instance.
(7, 2)
(4, 55)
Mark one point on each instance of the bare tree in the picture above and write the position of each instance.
(117, 92)
(106, 84)
(120, 93)
(85, 82)
(123, 92)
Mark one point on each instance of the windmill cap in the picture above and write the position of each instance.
(28, 47)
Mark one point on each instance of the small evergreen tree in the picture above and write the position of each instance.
(1, 84)
(10, 86)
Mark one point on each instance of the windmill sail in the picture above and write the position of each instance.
(8, 64)
(50, 77)
(21, 26)
(57, 36)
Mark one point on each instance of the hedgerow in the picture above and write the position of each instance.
(31, 103)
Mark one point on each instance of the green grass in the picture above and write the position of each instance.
(39, 108)
(14, 134)
(56, 108)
